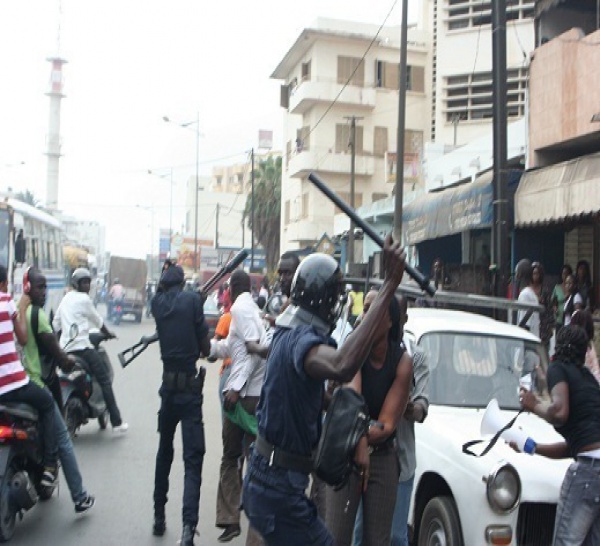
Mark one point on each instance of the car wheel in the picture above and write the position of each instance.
(440, 524)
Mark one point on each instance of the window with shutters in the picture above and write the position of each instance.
(351, 68)
(471, 13)
(342, 139)
(415, 78)
(378, 196)
(302, 139)
(387, 75)
(306, 71)
(305, 203)
(380, 141)
(469, 96)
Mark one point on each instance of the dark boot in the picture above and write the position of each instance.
(187, 536)
(160, 523)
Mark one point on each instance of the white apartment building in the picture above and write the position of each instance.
(236, 177)
(219, 216)
(85, 233)
(461, 65)
(325, 82)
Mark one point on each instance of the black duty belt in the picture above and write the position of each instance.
(282, 458)
(182, 381)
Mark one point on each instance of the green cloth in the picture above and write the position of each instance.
(32, 363)
(240, 417)
(559, 296)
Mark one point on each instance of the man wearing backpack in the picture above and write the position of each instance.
(42, 341)
(301, 357)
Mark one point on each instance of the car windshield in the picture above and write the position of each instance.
(470, 369)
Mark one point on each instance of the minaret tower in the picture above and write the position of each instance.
(53, 143)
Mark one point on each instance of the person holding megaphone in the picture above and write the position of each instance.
(574, 411)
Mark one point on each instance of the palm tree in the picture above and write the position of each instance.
(267, 209)
(28, 197)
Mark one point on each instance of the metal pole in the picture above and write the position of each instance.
(196, 194)
(500, 224)
(252, 217)
(171, 214)
(217, 228)
(399, 190)
(350, 253)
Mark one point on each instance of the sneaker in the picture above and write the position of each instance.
(230, 532)
(121, 429)
(85, 504)
(49, 477)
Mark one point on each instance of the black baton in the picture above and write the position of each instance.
(417, 276)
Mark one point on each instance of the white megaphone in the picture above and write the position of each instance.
(493, 421)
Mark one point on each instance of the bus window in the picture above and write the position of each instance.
(4, 236)
(34, 253)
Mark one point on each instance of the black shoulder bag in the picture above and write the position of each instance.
(346, 421)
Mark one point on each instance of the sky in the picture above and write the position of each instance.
(130, 63)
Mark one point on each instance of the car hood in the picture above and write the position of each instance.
(448, 428)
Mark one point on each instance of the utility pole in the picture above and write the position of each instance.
(399, 190)
(217, 228)
(352, 146)
(252, 216)
(500, 257)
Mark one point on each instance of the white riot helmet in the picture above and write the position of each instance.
(79, 274)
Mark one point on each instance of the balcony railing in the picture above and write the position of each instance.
(326, 160)
(310, 92)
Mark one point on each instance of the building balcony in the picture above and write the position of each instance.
(326, 160)
(308, 93)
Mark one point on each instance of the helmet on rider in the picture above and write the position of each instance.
(317, 287)
(80, 274)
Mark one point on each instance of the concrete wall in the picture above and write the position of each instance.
(564, 91)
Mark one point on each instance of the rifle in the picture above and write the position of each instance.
(417, 276)
(131, 353)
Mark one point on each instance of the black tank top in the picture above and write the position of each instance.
(377, 382)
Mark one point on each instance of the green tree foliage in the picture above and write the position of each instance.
(28, 197)
(267, 209)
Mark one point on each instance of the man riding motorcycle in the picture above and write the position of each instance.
(77, 308)
(116, 294)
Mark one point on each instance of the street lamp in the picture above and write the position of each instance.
(163, 176)
(187, 126)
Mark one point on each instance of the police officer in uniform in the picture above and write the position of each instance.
(302, 356)
(183, 337)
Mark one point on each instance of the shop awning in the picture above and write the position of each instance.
(564, 191)
(450, 211)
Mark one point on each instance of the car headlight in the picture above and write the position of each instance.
(503, 488)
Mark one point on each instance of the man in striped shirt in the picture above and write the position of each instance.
(14, 382)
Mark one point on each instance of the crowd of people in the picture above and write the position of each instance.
(279, 368)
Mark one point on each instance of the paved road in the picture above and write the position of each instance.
(119, 470)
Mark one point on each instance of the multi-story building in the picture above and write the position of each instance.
(237, 177)
(461, 57)
(334, 71)
(87, 234)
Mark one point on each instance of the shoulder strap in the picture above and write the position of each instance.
(492, 443)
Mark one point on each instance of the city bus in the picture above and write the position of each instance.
(41, 248)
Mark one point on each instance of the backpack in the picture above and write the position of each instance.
(346, 421)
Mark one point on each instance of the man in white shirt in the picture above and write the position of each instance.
(243, 387)
(77, 308)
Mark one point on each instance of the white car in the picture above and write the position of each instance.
(503, 497)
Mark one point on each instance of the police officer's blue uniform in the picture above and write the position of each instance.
(289, 423)
(181, 330)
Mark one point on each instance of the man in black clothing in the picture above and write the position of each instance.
(183, 337)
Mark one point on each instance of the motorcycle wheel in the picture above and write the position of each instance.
(103, 420)
(73, 415)
(8, 512)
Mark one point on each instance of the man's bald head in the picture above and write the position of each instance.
(239, 282)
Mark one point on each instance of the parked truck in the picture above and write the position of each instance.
(132, 274)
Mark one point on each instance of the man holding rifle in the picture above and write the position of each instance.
(183, 337)
(302, 356)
